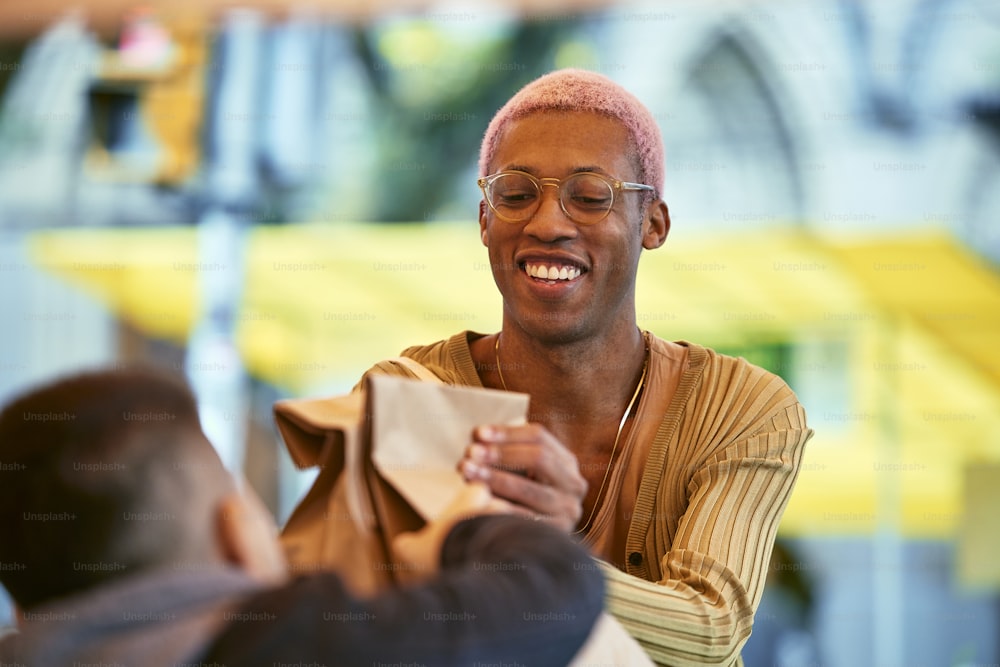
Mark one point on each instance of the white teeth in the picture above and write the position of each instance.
(552, 272)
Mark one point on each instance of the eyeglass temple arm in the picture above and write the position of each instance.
(637, 186)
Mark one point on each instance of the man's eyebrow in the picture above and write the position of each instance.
(574, 170)
(589, 168)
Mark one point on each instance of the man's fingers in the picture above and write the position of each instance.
(501, 433)
(529, 467)
(535, 499)
(543, 462)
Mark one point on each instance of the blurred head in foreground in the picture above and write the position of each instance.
(109, 474)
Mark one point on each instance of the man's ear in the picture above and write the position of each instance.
(247, 536)
(482, 222)
(656, 225)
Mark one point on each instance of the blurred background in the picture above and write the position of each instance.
(268, 199)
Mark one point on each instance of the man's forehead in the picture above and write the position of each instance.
(535, 171)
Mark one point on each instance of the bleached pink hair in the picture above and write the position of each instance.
(580, 90)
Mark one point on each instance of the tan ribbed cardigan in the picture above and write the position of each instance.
(715, 483)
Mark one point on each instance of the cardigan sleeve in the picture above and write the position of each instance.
(699, 607)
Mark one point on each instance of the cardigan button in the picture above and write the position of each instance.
(635, 558)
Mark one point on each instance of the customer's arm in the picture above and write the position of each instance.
(510, 591)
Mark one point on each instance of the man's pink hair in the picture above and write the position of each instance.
(580, 90)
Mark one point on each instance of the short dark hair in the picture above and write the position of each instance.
(101, 474)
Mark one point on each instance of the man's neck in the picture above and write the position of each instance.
(588, 382)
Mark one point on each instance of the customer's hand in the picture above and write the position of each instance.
(419, 552)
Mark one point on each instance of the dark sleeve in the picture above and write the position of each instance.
(511, 591)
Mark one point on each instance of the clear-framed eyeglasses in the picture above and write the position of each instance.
(585, 197)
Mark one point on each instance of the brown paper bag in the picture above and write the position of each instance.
(387, 461)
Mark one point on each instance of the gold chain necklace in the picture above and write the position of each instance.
(621, 424)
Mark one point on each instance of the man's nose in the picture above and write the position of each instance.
(550, 222)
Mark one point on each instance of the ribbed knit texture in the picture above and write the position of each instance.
(715, 483)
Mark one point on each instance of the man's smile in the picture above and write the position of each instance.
(552, 271)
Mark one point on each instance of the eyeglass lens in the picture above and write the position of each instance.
(585, 197)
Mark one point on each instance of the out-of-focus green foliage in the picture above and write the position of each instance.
(436, 90)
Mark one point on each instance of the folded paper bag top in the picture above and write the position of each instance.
(418, 432)
(311, 427)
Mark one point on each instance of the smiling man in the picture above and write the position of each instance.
(671, 462)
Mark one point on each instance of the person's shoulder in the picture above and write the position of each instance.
(744, 396)
(725, 368)
(724, 378)
(435, 353)
(449, 359)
